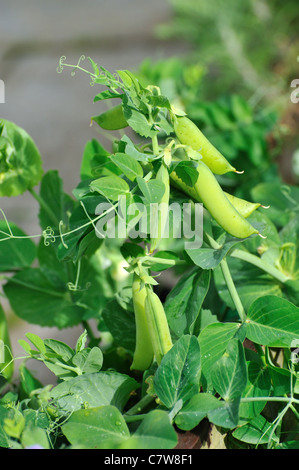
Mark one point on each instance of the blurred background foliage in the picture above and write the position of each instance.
(234, 82)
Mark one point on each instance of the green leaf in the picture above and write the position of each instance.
(110, 186)
(62, 350)
(282, 199)
(96, 428)
(257, 431)
(152, 190)
(92, 149)
(187, 172)
(177, 377)
(34, 435)
(89, 360)
(195, 410)
(165, 255)
(213, 341)
(120, 321)
(258, 385)
(273, 321)
(155, 432)
(251, 283)
(94, 390)
(138, 121)
(5, 413)
(133, 152)
(20, 160)
(183, 303)
(129, 165)
(15, 253)
(229, 373)
(56, 203)
(209, 258)
(106, 95)
(226, 415)
(37, 342)
(34, 299)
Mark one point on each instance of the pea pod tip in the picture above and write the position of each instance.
(262, 236)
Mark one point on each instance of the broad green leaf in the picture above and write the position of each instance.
(28, 382)
(152, 190)
(138, 121)
(34, 299)
(177, 377)
(110, 186)
(195, 410)
(187, 172)
(15, 253)
(229, 373)
(213, 341)
(183, 303)
(37, 342)
(132, 151)
(257, 431)
(80, 237)
(209, 258)
(64, 351)
(56, 203)
(251, 283)
(92, 148)
(89, 360)
(20, 160)
(155, 432)
(120, 321)
(167, 255)
(129, 165)
(226, 415)
(273, 321)
(34, 435)
(93, 390)
(282, 199)
(5, 413)
(96, 428)
(258, 385)
(106, 95)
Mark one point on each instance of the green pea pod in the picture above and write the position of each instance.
(215, 201)
(189, 134)
(157, 324)
(111, 120)
(162, 208)
(6, 364)
(245, 208)
(143, 354)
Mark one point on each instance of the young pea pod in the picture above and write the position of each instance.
(157, 324)
(6, 363)
(143, 354)
(215, 201)
(162, 208)
(189, 134)
(245, 208)
(111, 120)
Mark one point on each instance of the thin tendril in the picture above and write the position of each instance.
(61, 234)
(49, 236)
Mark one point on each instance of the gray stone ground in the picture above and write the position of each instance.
(55, 109)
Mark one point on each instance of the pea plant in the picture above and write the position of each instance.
(187, 295)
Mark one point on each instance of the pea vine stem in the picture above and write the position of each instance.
(228, 279)
(259, 263)
(232, 290)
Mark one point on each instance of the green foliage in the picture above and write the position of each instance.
(232, 312)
